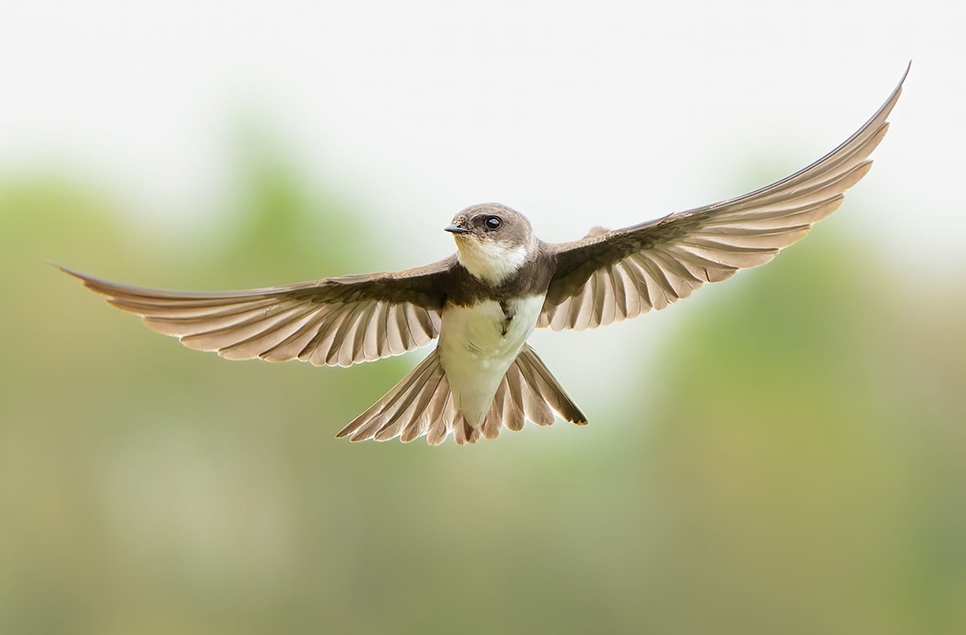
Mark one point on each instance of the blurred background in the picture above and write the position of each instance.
(782, 453)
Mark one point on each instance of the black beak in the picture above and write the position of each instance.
(457, 230)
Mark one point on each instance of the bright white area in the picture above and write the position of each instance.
(575, 113)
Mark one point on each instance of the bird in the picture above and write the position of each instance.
(483, 302)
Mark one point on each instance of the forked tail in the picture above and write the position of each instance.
(422, 404)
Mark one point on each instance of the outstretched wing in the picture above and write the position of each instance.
(611, 276)
(331, 322)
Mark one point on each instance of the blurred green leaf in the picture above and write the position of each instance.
(796, 468)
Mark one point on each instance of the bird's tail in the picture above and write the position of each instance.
(422, 403)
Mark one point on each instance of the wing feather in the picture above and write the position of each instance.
(615, 275)
(336, 321)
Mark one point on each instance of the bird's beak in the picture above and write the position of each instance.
(453, 229)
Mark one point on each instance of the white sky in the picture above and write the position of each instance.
(575, 113)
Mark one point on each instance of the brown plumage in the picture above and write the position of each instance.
(502, 283)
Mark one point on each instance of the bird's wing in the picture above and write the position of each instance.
(611, 276)
(331, 322)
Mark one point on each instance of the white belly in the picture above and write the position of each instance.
(476, 347)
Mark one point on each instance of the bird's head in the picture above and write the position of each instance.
(494, 241)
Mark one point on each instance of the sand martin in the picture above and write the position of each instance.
(483, 302)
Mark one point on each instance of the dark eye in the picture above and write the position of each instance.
(493, 222)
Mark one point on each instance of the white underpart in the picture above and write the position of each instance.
(475, 352)
(490, 260)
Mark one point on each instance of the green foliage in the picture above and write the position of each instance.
(797, 469)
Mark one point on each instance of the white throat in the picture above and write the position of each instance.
(491, 261)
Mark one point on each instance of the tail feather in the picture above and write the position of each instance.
(422, 404)
(441, 426)
(412, 408)
(513, 417)
(547, 387)
(463, 432)
(431, 414)
(534, 404)
(495, 418)
(393, 404)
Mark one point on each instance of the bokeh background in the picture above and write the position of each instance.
(782, 453)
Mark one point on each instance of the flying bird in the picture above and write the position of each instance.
(483, 302)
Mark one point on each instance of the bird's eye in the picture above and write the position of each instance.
(493, 222)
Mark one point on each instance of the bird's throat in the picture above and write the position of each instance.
(493, 261)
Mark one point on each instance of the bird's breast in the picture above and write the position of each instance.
(477, 344)
(490, 329)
